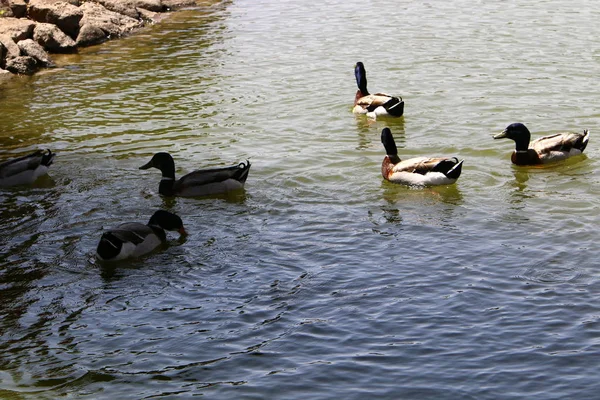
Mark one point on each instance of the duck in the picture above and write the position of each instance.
(378, 104)
(197, 183)
(134, 239)
(418, 171)
(25, 170)
(546, 149)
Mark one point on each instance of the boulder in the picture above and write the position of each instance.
(96, 17)
(24, 65)
(121, 7)
(174, 4)
(18, 8)
(60, 13)
(90, 34)
(2, 56)
(17, 28)
(53, 39)
(12, 50)
(33, 49)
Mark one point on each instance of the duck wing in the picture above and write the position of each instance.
(564, 141)
(26, 163)
(214, 175)
(423, 165)
(132, 232)
(372, 101)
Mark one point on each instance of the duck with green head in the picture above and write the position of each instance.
(546, 149)
(202, 182)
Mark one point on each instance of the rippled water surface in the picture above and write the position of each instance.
(319, 280)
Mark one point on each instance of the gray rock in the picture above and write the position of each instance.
(60, 13)
(16, 28)
(24, 65)
(96, 16)
(121, 7)
(53, 39)
(90, 34)
(33, 49)
(12, 50)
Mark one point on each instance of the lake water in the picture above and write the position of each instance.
(319, 280)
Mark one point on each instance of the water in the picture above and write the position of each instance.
(319, 280)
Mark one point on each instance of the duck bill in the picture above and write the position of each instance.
(182, 231)
(501, 135)
(147, 166)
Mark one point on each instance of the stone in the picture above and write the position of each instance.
(17, 28)
(18, 8)
(90, 34)
(121, 7)
(60, 13)
(96, 16)
(23, 65)
(33, 49)
(2, 55)
(53, 39)
(12, 50)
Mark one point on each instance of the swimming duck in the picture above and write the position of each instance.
(421, 171)
(25, 170)
(545, 149)
(134, 239)
(197, 183)
(374, 104)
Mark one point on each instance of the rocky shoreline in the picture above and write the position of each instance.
(31, 30)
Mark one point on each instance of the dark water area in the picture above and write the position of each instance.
(319, 280)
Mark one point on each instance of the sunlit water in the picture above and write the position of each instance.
(319, 280)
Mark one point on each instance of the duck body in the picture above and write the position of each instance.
(378, 104)
(547, 149)
(134, 239)
(418, 171)
(197, 183)
(25, 170)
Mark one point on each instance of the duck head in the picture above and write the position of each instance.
(163, 162)
(517, 132)
(361, 78)
(167, 221)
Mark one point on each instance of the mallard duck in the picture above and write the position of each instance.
(374, 104)
(197, 183)
(134, 239)
(545, 149)
(25, 170)
(421, 171)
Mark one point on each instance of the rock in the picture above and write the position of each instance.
(18, 8)
(149, 15)
(16, 28)
(24, 65)
(60, 13)
(90, 34)
(53, 39)
(33, 49)
(2, 56)
(96, 17)
(150, 5)
(12, 50)
(121, 7)
(174, 4)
